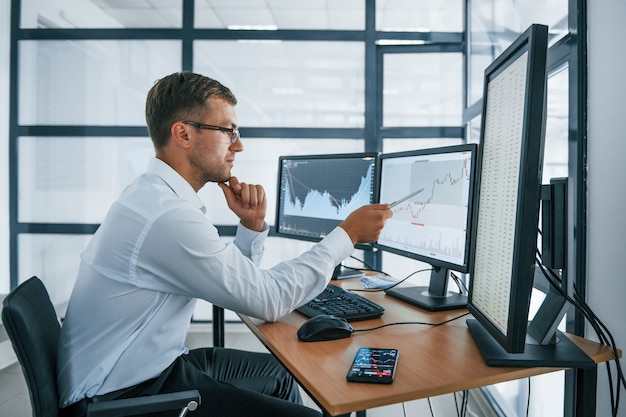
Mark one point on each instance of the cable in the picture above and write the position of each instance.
(461, 411)
(410, 322)
(367, 266)
(459, 282)
(604, 335)
(430, 405)
(607, 338)
(456, 405)
(528, 400)
(391, 286)
(590, 316)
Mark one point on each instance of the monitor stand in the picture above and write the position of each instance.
(545, 344)
(435, 297)
(563, 353)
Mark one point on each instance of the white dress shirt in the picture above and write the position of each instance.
(153, 256)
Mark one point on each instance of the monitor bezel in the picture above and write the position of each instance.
(533, 41)
(302, 157)
(436, 262)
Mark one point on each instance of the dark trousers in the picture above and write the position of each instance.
(231, 383)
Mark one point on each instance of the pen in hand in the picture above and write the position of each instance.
(406, 197)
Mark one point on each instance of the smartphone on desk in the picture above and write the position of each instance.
(374, 365)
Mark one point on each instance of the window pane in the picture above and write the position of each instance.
(289, 84)
(479, 59)
(423, 89)
(411, 15)
(54, 259)
(75, 180)
(281, 14)
(258, 163)
(401, 145)
(473, 130)
(87, 14)
(499, 17)
(90, 82)
(495, 24)
(557, 129)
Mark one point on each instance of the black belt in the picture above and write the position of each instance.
(78, 409)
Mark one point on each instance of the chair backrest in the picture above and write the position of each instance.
(32, 325)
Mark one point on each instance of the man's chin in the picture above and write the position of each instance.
(216, 180)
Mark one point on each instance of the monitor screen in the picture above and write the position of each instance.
(509, 186)
(317, 192)
(433, 225)
(508, 202)
(508, 197)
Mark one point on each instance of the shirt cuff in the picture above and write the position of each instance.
(338, 244)
(250, 242)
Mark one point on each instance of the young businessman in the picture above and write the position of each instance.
(156, 253)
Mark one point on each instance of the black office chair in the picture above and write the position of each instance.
(32, 325)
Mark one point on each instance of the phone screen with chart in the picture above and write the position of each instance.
(374, 365)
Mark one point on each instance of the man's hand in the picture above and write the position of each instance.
(365, 224)
(247, 201)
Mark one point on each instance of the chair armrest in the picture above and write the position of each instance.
(146, 404)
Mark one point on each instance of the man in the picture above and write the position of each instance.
(156, 253)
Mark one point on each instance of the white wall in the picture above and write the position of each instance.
(607, 189)
(5, 25)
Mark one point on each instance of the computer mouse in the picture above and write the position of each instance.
(324, 327)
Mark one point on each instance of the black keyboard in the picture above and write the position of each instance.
(338, 302)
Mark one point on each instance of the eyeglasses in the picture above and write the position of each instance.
(234, 133)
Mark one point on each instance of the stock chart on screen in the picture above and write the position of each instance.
(317, 192)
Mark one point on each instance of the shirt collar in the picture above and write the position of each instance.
(176, 182)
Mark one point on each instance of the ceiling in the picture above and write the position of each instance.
(407, 15)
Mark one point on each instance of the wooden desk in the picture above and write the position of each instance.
(432, 361)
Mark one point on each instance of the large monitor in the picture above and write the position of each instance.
(317, 192)
(507, 209)
(432, 226)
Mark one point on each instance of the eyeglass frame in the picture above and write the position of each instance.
(234, 133)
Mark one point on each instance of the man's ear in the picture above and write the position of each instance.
(179, 132)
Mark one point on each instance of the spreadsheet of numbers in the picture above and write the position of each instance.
(495, 234)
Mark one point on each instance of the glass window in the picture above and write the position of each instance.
(289, 84)
(495, 24)
(54, 259)
(499, 17)
(75, 180)
(90, 82)
(422, 16)
(89, 14)
(479, 58)
(556, 151)
(281, 14)
(424, 89)
(473, 130)
(258, 163)
(408, 144)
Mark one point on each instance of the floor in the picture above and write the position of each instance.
(15, 402)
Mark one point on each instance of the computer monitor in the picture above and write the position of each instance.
(507, 208)
(317, 192)
(432, 226)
